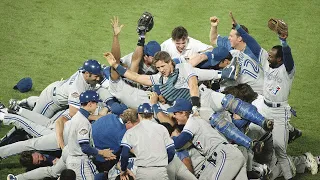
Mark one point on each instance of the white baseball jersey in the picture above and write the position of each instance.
(69, 90)
(79, 132)
(193, 47)
(149, 142)
(250, 72)
(186, 71)
(277, 81)
(205, 138)
(142, 66)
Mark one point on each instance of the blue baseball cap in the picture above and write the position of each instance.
(88, 96)
(216, 55)
(151, 48)
(181, 104)
(24, 85)
(117, 108)
(145, 108)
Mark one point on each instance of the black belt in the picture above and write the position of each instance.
(149, 166)
(54, 91)
(271, 104)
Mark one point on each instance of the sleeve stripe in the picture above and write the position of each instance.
(187, 131)
(127, 145)
(170, 145)
(115, 81)
(152, 81)
(74, 103)
(83, 140)
(191, 75)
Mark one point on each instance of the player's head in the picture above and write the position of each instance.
(150, 50)
(92, 71)
(218, 58)
(179, 36)
(32, 159)
(145, 111)
(242, 91)
(275, 56)
(235, 38)
(129, 118)
(67, 174)
(181, 109)
(89, 100)
(163, 62)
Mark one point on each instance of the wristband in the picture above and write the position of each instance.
(141, 41)
(156, 89)
(195, 101)
(121, 70)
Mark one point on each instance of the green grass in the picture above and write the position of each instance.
(49, 40)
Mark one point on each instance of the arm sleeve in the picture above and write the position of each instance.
(127, 59)
(287, 56)
(224, 42)
(124, 157)
(251, 42)
(207, 74)
(182, 139)
(87, 149)
(170, 151)
(83, 135)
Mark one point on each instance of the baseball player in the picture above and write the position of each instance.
(182, 46)
(224, 160)
(279, 69)
(233, 41)
(151, 144)
(80, 137)
(63, 93)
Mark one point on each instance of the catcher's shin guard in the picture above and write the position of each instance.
(246, 111)
(229, 130)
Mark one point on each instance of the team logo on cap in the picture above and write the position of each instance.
(75, 95)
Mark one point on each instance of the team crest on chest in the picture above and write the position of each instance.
(275, 90)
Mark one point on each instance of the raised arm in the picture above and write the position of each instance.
(287, 55)
(214, 30)
(115, 50)
(250, 41)
(142, 79)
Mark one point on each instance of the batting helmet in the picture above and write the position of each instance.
(144, 108)
(92, 66)
(89, 96)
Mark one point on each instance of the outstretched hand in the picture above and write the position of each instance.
(115, 25)
(110, 59)
(234, 22)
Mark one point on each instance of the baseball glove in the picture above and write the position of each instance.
(145, 23)
(278, 26)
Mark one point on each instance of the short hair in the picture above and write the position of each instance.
(146, 116)
(26, 159)
(279, 53)
(242, 91)
(129, 115)
(243, 27)
(68, 174)
(162, 56)
(179, 33)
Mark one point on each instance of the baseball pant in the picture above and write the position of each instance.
(46, 105)
(177, 170)
(152, 173)
(299, 163)
(49, 171)
(82, 166)
(130, 96)
(228, 163)
(44, 143)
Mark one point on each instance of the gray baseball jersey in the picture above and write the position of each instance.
(142, 66)
(193, 47)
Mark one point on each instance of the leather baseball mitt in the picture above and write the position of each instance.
(145, 23)
(278, 26)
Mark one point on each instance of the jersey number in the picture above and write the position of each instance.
(255, 69)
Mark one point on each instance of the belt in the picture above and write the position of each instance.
(54, 91)
(272, 104)
(149, 166)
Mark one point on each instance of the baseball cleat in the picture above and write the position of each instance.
(13, 105)
(311, 163)
(2, 106)
(11, 177)
(295, 134)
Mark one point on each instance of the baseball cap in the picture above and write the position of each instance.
(88, 96)
(181, 104)
(152, 48)
(215, 56)
(145, 108)
(24, 85)
(117, 108)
